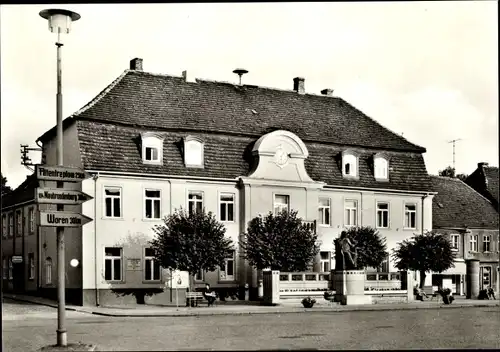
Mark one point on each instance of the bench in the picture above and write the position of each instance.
(430, 292)
(192, 298)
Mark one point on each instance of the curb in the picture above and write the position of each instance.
(287, 311)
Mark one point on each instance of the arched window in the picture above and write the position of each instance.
(381, 168)
(349, 164)
(48, 271)
(193, 152)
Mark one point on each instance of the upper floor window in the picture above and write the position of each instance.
(281, 202)
(152, 148)
(454, 239)
(151, 266)
(473, 243)
(195, 202)
(410, 216)
(486, 243)
(31, 220)
(381, 168)
(19, 226)
(351, 213)
(349, 164)
(11, 225)
(226, 207)
(324, 211)
(4, 226)
(152, 203)
(193, 152)
(113, 200)
(382, 215)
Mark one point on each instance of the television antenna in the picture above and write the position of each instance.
(454, 141)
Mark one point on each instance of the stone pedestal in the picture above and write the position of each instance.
(271, 287)
(350, 287)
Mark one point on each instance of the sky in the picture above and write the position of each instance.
(426, 70)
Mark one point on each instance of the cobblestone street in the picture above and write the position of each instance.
(411, 329)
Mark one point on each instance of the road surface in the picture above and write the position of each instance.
(27, 327)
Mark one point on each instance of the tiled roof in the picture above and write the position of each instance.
(491, 174)
(485, 180)
(164, 102)
(23, 193)
(108, 147)
(458, 205)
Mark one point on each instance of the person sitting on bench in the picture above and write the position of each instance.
(209, 295)
(419, 293)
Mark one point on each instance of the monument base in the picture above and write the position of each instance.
(353, 299)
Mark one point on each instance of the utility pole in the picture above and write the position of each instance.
(454, 141)
(25, 159)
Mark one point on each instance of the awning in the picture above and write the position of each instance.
(459, 269)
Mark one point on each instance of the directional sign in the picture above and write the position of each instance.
(61, 218)
(17, 259)
(60, 173)
(60, 196)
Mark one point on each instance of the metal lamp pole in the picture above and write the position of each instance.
(60, 22)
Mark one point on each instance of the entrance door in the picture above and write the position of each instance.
(485, 277)
(18, 277)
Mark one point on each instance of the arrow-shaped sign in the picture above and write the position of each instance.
(60, 196)
(60, 173)
(65, 219)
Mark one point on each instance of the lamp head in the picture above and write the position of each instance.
(59, 19)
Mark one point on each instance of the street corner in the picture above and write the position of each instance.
(79, 346)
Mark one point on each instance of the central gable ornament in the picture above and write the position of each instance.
(281, 157)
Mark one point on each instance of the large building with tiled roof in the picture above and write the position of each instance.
(156, 142)
(485, 180)
(471, 222)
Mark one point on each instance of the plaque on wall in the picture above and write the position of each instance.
(133, 264)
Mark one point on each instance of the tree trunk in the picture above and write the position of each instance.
(422, 279)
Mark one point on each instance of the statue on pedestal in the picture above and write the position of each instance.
(345, 253)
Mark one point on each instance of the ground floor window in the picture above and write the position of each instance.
(5, 268)
(325, 261)
(199, 276)
(31, 263)
(113, 264)
(228, 269)
(151, 266)
(48, 271)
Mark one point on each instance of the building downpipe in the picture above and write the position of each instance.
(97, 303)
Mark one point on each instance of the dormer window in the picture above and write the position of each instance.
(152, 148)
(193, 152)
(381, 167)
(349, 164)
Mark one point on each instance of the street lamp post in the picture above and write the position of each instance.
(60, 23)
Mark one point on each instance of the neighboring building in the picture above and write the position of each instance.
(471, 222)
(485, 180)
(155, 143)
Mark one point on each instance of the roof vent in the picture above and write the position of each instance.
(136, 64)
(299, 85)
(481, 164)
(188, 77)
(328, 92)
(240, 72)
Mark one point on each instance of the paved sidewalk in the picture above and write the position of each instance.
(288, 306)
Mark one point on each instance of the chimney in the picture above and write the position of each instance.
(327, 92)
(481, 164)
(298, 85)
(188, 77)
(136, 64)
